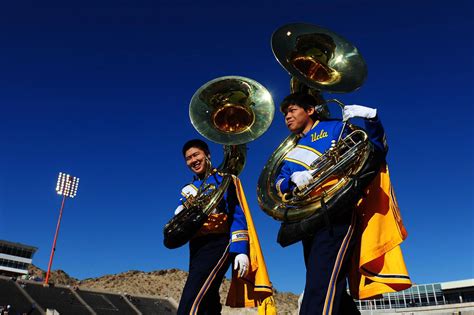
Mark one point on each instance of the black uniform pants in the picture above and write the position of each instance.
(209, 261)
(327, 257)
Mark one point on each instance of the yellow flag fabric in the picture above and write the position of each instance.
(267, 307)
(252, 290)
(378, 266)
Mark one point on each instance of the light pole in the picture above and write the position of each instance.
(67, 187)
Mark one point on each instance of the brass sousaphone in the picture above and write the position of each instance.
(318, 60)
(232, 111)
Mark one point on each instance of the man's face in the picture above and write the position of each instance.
(196, 160)
(298, 119)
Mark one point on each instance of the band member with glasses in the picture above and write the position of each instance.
(227, 237)
(328, 249)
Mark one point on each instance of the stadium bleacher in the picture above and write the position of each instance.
(103, 303)
(11, 295)
(61, 299)
(68, 300)
(154, 306)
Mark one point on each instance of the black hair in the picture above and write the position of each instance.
(196, 143)
(303, 100)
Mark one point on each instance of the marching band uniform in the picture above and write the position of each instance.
(211, 250)
(229, 231)
(316, 142)
(328, 250)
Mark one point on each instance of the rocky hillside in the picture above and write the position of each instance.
(167, 283)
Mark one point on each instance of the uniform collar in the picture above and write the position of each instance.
(314, 125)
(195, 177)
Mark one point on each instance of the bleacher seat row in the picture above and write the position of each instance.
(33, 298)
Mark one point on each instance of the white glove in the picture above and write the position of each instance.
(178, 209)
(301, 179)
(241, 264)
(189, 191)
(351, 111)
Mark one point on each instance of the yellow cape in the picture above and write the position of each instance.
(378, 265)
(252, 290)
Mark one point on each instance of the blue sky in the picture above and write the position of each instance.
(100, 89)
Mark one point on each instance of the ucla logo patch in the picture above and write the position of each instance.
(316, 137)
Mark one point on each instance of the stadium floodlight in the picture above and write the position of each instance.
(66, 187)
